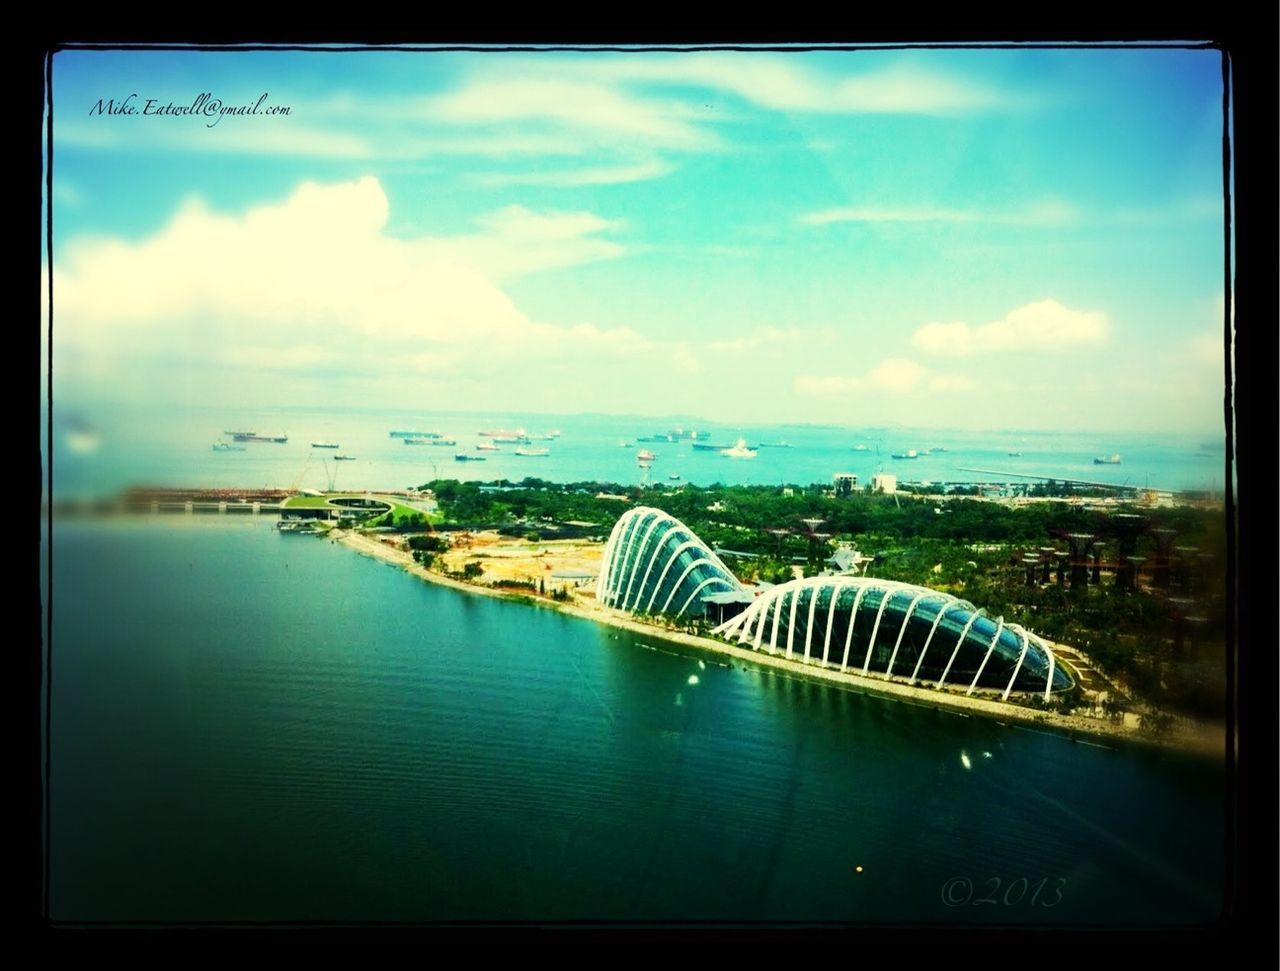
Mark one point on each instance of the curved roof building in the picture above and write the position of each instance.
(897, 629)
(653, 563)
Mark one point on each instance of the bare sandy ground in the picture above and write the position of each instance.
(504, 558)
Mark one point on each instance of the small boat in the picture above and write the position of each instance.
(644, 455)
(227, 447)
(739, 451)
(624, 444)
(910, 453)
(295, 525)
(464, 457)
(1107, 459)
(674, 476)
(487, 447)
(1015, 455)
(324, 444)
(533, 451)
(344, 458)
(860, 448)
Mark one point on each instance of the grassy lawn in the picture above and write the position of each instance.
(320, 502)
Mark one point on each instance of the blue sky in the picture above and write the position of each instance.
(984, 239)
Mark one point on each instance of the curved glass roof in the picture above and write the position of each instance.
(896, 630)
(653, 563)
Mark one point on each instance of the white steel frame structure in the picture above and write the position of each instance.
(651, 556)
(901, 599)
(648, 542)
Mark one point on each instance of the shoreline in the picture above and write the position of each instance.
(1204, 742)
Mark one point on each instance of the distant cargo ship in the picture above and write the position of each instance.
(910, 453)
(488, 447)
(415, 434)
(344, 458)
(227, 447)
(253, 437)
(1107, 459)
(675, 434)
(533, 451)
(324, 444)
(708, 447)
(444, 442)
(417, 441)
(464, 457)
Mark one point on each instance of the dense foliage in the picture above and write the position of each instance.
(965, 546)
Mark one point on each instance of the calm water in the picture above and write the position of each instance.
(262, 727)
(174, 447)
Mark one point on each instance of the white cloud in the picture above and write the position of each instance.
(314, 285)
(793, 82)
(828, 386)
(1045, 213)
(761, 337)
(894, 375)
(281, 137)
(1042, 326)
(595, 175)
(516, 241)
(952, 382)
(582, 106)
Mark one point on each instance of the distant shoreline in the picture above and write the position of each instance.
(1206, 741)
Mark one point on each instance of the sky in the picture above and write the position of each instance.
(1026, 238)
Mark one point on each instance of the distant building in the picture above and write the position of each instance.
(847, 559)
(845, 482)
(883, 482)
(787, 492)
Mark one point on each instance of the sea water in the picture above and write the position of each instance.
(174, 447)
(249, 726)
